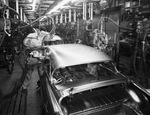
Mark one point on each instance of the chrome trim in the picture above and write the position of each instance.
(55, 103)
(141, 88)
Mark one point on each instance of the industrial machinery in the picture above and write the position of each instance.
(135, 43)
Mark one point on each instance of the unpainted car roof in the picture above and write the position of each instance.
(64, 55)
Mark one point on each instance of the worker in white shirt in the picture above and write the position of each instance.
(34, 42)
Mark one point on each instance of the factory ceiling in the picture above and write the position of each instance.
(36, 8)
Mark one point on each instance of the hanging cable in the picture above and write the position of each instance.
(144, 43)
(20, 27)
(135, 54)
(31, 23)
(5, 24)
(127, 28)
(5, 20)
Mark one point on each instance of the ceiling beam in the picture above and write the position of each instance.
(45, 5)
(53, 5)
(43, 8)
(48, 2)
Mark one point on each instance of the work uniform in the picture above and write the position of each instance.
(33, 42)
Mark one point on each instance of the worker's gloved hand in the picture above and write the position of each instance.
(37, 54)
(42, 53)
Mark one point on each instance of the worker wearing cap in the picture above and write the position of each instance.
(52, 40)
(55, 40)
(36, 41)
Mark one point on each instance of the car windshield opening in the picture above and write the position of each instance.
(83, 72)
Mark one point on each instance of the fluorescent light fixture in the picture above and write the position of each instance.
(60, 5)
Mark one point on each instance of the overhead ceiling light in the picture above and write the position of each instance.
(60, 5)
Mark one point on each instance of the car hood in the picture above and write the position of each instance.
(64, 55)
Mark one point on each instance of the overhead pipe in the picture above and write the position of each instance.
(91, 10)
(17, 6)
(57, 19)
(54, 18)
(61, 18)
(25, 18)
(57, 4)
(69, 15)
(65, 18)
(21, 13)
(85, 15)
(75, 18)
(84, 11)
(7, 11)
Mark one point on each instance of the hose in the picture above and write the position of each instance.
(135, 54)
(5, 21)
(34, 22)
(5, 27)
(127, 28)
(144, 43)
(143, 54)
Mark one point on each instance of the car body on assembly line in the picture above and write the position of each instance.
(84, 81)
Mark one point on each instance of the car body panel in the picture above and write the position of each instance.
(74, 54)
(81, 86)
(71, 88)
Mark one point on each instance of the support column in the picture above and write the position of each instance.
(91, 17)
(21, 14)
(74, 15)
(57, 19)
(25, 18)
(78, 27)
(69, 15)
(61, 18)
(84, 11)
(65, 18)
(17, 6)
(89, 10)
(7, 12)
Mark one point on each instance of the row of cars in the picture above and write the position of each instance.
(80, 80)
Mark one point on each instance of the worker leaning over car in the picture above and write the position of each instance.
(34, 44)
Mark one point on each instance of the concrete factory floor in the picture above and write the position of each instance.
(18, 103)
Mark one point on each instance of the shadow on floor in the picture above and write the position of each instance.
(16, 103)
